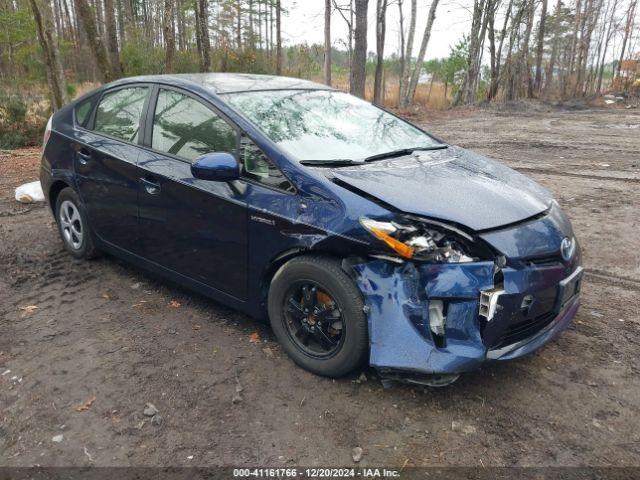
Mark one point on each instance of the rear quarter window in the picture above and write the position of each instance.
(83, 110)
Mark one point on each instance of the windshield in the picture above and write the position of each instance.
(327, 125)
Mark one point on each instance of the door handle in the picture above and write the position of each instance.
(84, 156)
(151, 187)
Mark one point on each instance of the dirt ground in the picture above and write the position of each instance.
(84, 346)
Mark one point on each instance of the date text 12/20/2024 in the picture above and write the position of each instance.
(315, 473)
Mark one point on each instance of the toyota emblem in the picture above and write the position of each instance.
(567, 248)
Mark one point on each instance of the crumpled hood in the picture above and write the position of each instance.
(453, 185)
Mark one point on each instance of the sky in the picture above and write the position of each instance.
(305, 23)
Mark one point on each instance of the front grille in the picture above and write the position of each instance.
(548, 261)
(522, 330)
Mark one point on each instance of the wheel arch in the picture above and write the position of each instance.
(271, 269)
(284, 257)
(54, 190)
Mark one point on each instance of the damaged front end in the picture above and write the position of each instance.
(449, 301)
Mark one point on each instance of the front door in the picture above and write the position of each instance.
(195, 227)
(105, 165)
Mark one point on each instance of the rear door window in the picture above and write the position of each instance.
(186, 128)
(118, 113)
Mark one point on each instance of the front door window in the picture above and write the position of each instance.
(186, 128)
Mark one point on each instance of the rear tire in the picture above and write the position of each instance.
(73, 225)
(326, 277)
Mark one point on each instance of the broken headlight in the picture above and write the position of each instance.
(420, 241)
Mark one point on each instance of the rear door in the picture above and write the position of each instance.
(195, 227)
(105, 156)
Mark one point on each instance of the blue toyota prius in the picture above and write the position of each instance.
(359, 236)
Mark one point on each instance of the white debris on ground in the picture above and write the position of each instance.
(30, 192)
(610, 99)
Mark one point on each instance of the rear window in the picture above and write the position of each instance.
(118, 114)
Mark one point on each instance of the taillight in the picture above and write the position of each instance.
(47, 133)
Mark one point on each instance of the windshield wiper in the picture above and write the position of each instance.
(336, 162)
(339, 162)
(404, 151)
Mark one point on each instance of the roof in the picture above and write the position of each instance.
(236, 82)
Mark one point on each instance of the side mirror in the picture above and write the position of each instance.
(217, 166)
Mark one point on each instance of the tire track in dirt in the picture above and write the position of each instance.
(607, 278)
(549, 171)
(543, 145)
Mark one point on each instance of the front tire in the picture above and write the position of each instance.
(317, 314)
(73, 225)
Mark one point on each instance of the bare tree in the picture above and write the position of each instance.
(554, 45)
(467, 93)
(196, 11)
(607, 39)
(358, 66)
(238, 24)
(49, 43)
(415, 74)
(278, 38)
(631, 12)
(181, 25)
(496, 54)
(271, 27)
(129, 21)
(203, 32)
(97, 8)
(525, 60)
(327, 42)
(540, 47)
(574, 45)
(510, 77)
(251, 40)
(404, 74)
(381, 28)
(169, 36)
(402, 40)
(348, 20)
(111, 33)
(95, 40)
(592, 12)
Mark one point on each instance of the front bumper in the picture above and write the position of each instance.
(532, 311)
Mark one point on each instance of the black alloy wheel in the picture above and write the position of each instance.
(313, 319)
